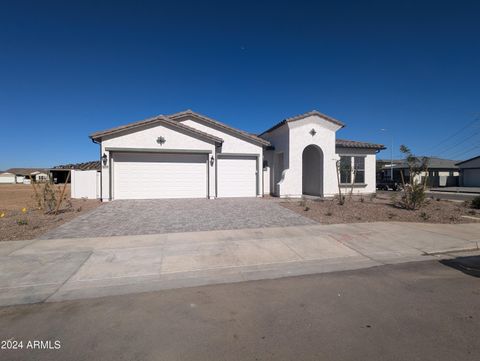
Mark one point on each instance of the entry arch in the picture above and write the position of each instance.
(312, 171)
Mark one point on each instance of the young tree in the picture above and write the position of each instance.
(414, 190)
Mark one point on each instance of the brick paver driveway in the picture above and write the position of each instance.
(133, 217)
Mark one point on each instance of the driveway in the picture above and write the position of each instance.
(136, 217)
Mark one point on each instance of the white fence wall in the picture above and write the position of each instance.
(85, 184)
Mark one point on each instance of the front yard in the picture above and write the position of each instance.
(381, 207)
(21, 220)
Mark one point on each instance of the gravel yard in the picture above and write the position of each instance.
(20, 220)
(381, 208)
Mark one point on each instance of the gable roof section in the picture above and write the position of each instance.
(468, 160)
(241, 133)
(303, 116)
(344, 143)
(159, 119)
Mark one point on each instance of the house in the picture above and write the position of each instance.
(441, 172)
(189, 155)
(470, 172)
(25, 175)
(7, 178)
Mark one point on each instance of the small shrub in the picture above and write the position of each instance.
(424, 216)
(22, 222)
(372, 197)
(362, 199)
(475, 203)
(329, 214)
(472, 212)
(390, 215)
(438, 199)
(303, 203)
(306, 209)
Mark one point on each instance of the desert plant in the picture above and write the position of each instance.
(413, 195)
(362, 199)
(475, 204)
(329, 214)
(22, 222)
(424, 216)
(48, 198)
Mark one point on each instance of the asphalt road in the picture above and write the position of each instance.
(413, 311)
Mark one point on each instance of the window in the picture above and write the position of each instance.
(359, 166)
(347, 171)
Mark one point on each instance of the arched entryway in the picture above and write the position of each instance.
(312, 171)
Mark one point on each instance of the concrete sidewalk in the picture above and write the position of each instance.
(62, 269)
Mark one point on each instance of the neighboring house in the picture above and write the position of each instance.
(441, 172)
(25, 175)
(59, 173)
(470, 172)
(188, 155)
(6, 177)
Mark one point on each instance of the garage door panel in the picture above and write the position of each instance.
(237, 177)
(150, 176)
(471, 177)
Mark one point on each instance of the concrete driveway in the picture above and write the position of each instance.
(135, 217)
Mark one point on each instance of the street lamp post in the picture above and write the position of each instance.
(391, 154)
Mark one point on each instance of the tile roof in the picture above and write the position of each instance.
(354, 144)
(160, 119)
(468, 160)
(92, 165)
(302, 116)
(433, 162)
(26, 171)
(188, 112)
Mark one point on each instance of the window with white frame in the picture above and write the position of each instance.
(352, 168)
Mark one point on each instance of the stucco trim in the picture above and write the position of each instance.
(150, 150)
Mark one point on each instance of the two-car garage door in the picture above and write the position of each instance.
(177, 175)
(159, 175)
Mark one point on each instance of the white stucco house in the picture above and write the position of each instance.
(189, 155)
(7, 178)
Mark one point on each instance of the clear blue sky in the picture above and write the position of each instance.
(70, 68)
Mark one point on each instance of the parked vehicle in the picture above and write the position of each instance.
(387, 184)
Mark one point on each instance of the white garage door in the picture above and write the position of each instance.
(471, 177)
(157, 175)
(237, 176)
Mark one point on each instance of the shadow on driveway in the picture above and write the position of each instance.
(469, 265)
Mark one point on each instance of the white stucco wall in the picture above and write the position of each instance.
(292, 139)
(146, 138)
(7, 178)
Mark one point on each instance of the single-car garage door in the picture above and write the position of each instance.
(159, 175)
(237, 176)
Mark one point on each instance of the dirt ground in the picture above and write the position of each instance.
(16, 224)
(381, 207)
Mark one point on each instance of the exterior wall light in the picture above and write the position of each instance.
(212, 160)
(104, 160)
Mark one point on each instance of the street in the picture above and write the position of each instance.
(412, 311)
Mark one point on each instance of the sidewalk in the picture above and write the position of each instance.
(62, 269)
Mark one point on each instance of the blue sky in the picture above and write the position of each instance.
(70, 68)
